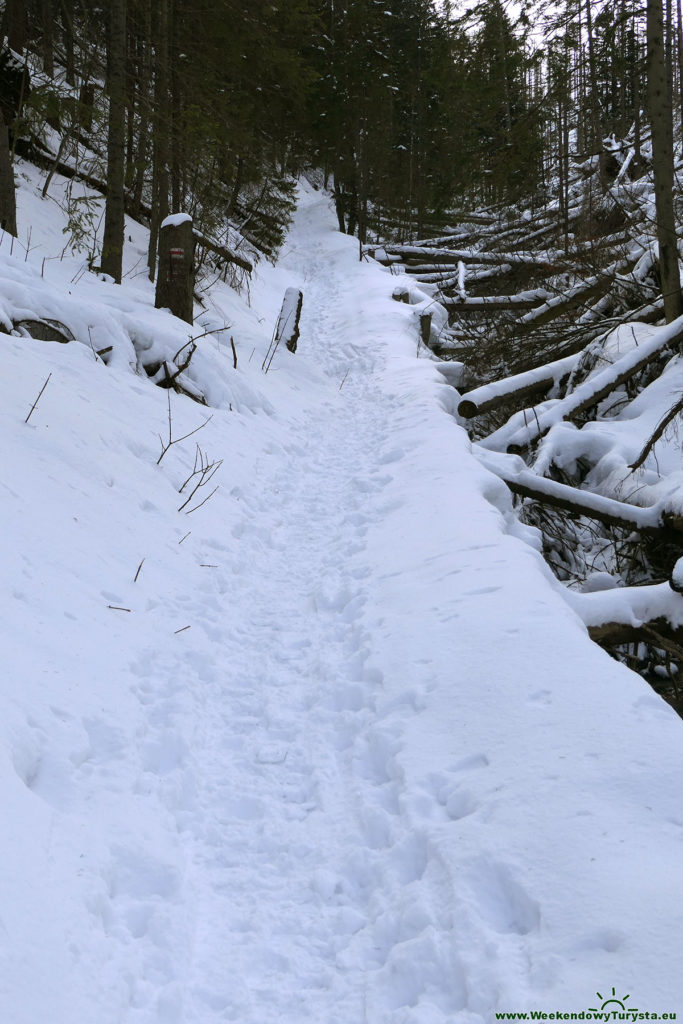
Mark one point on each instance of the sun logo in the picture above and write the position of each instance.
(612, 1003)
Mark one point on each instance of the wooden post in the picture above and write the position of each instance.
(425, 327)
(175, 276)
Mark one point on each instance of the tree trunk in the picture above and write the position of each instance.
(144, 93)
(67, 9)
(596, 134)
(15, 24)
(114, 218)
(8, 205)
(679, 39)
(161, 132)
(47, 15)
(662, 160)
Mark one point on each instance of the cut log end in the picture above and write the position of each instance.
(468, 410)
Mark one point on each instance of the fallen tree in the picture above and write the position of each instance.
(528, 484)
(546, 260)
(625, 615)
(224, 251)
(591, 392)
(518, 387)
(557, 305)
(496, 303)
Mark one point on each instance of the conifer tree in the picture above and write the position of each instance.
(112, 246)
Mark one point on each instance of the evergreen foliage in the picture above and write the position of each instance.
(410, 108)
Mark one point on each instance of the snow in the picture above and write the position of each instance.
(631, 605)
(175, 220)
(384, 775)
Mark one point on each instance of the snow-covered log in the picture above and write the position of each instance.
(446, 278)
(456, 373)
(546, 260)
(605, 612)
(653, 615)
(496, 303)
(44, 330)
(456, 236)
(558, 305)
(528, 484)
(520, 386)
(592, 391)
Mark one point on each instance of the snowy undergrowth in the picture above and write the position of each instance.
(383, 776)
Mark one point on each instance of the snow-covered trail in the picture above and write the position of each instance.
(383, 778)
(307, 870)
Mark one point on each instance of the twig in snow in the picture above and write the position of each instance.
(117, 608)
(345, 376)
(182, 630)
(38, 398)
(91, 344)
(201, 502)
(138, 572)
(203, 471)
(195, 339)
(175, 440)
(657, 433)
(185, 537)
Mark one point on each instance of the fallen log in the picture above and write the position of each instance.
(545, 260)
(225, 253)
(47, 162)
(592, 391)
(593, 506)
(671, 415)
(558, 305)
(460, 217)
(657, 633)
(495, 303)
(653, 614)
(528, 484)
(445, 278)
(44, 330)
(455, 236)
(534, 382)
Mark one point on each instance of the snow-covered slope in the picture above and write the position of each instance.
(341, 753)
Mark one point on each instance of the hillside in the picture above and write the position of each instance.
(331, 746)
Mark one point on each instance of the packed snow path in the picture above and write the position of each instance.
(383, 778)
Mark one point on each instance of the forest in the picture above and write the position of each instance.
(517, 165)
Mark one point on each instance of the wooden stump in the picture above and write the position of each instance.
(175, 277)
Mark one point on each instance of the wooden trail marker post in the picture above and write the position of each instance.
(175, 277)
